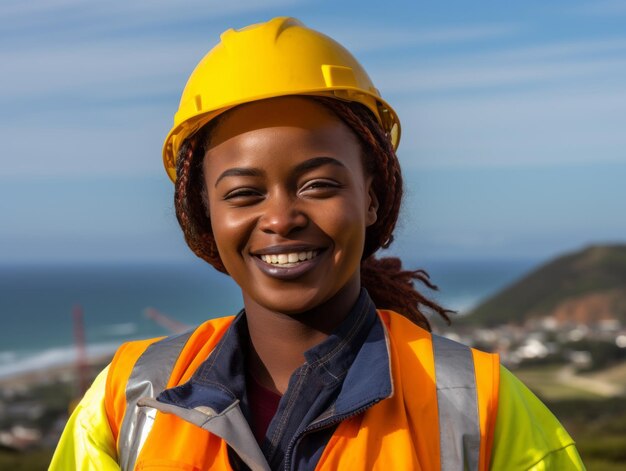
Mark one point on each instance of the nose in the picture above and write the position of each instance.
(281, 215)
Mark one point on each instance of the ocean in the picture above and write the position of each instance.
(36, 302)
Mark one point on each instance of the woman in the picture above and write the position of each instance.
(283, 156)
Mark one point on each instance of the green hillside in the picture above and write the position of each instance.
(596, 269)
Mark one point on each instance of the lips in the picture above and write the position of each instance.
(287, 262)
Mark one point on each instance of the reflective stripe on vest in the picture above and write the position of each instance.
(457, 401)
(148, 378)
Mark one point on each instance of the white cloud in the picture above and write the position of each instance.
(601, 8)
(116, 13)
(564, 61)
(375, 37)
(102, 142)
(559, 49)
(12, 9)
(549, 126)
(100, 105)
(112, 68)
(554, 103)
(114, 97)
(451, 77)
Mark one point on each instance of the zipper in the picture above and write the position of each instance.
(322, 423)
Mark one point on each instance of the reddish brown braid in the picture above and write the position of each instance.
(389, 286)
(189, 202)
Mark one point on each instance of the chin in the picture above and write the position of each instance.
(290, 298)
(292, 304)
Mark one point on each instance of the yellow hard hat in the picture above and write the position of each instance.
(277, 58)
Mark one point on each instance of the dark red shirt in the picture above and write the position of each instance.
(263, 407)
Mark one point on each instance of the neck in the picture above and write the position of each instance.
(279, 340)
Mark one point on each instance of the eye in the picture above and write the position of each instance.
(320, 187)
(243, 196)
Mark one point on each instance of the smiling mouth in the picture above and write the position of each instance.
(287, 260)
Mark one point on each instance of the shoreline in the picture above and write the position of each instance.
(59, 372)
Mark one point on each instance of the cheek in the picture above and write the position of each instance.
(230, 230)
(346, 223)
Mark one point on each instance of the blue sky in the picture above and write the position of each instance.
(514, 120)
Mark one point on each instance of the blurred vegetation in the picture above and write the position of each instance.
(53, 399)
(599, 268)
(597, 424)
(28, 461)
(599, 428)
(604, 353)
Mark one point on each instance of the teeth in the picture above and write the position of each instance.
(289, 258)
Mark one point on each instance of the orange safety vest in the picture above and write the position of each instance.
(441, 414)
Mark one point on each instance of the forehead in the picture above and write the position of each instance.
(293, 126)
(279, 111)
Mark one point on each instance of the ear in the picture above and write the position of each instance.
(372, 210)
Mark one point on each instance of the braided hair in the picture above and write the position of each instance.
(389, 286)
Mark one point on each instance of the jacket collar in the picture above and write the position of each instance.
(355, 353)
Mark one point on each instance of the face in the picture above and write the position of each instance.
(289, 203)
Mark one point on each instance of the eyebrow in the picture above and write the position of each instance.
(240, 172)
(298, 170)
(315, 163)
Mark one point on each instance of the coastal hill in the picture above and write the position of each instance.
(585, 287)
